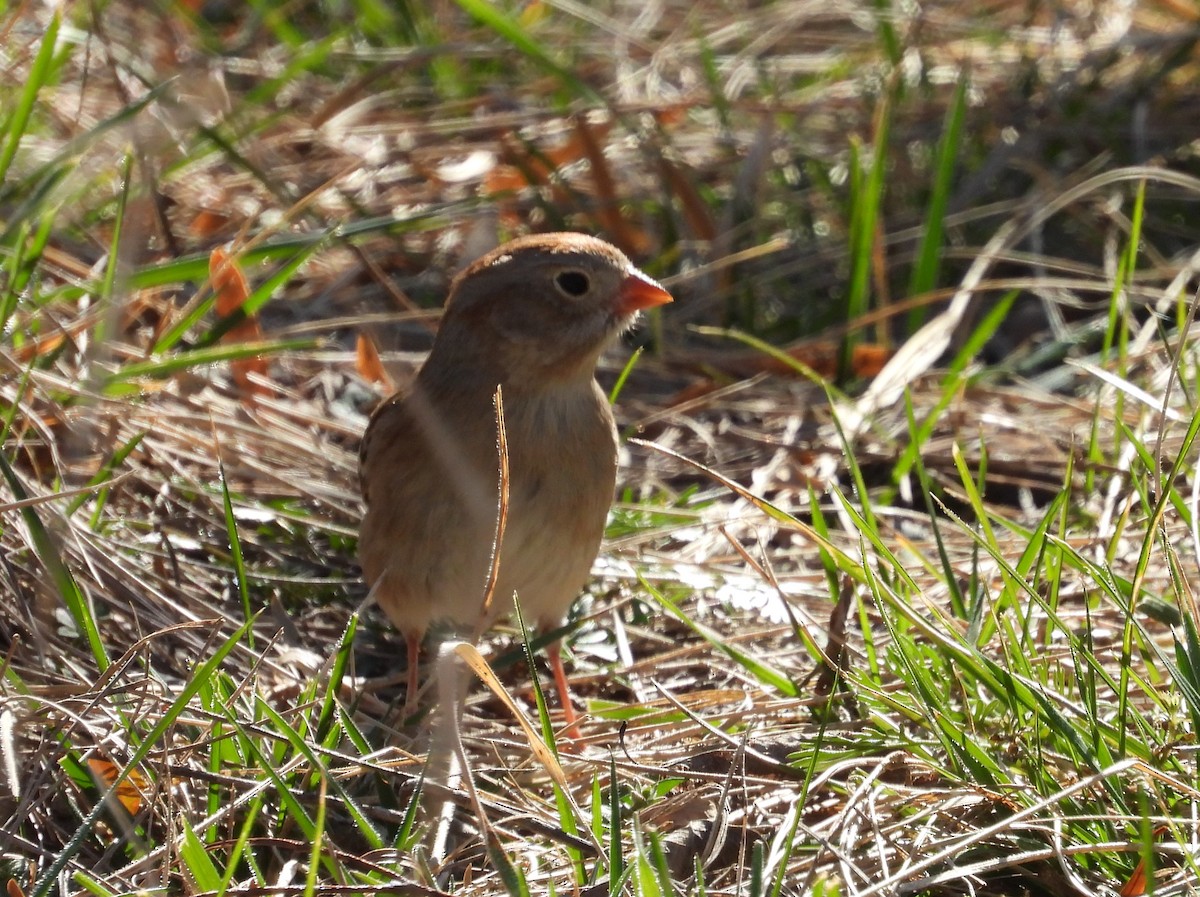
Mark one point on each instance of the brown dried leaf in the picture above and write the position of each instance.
(132, 789)
(695, 209)
(368, 363)
(229, 284)
(207, 223)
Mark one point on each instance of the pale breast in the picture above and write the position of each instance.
(428, 534)
(563, 470)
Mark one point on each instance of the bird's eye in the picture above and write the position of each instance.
(573, 283)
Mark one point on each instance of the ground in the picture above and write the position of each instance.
(897, 594)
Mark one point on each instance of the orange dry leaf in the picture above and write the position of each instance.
(130, 792)
(228, 281)
(525, 167)
(1136, 885)
(207, 223)
(229, 284)
(44, 346)
(368, 364)
(866, 360)
(536, 169)
(504, 179)
(670, 115)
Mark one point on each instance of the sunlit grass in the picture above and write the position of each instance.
(832, 646)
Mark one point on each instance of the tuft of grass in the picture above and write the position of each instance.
(953, 645)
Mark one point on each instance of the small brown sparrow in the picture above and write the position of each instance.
(531, 317)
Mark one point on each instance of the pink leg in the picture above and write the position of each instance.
(554, 655)
(413, 644)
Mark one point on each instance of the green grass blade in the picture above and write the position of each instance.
(39, 74)
(235, 550)
(929, 255)
(490, 15)
(256, 300)
(120, 382)
(764, 673)
(49, 878)
(105, 473)
(616, 855)
(866, 205)
(318, 839)
(624, 375)
(337, 672)
(201, 870)
(64, 582)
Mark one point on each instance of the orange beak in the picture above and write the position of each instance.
(638, 291)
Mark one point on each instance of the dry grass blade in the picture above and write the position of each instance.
(502, 486)
(765, 506)
(542, 755)
(928, 344)
(1005, 551)
(35, 500)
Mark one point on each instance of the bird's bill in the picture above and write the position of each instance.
(638, 291)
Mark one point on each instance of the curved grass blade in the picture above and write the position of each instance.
(491, 16)
(60, 574)
(39, 73)
(49, 878)
(159, 369)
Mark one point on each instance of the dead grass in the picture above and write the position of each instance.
(826, 682)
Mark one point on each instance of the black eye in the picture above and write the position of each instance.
(573, 283)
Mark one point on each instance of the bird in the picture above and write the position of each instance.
(531, 319)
